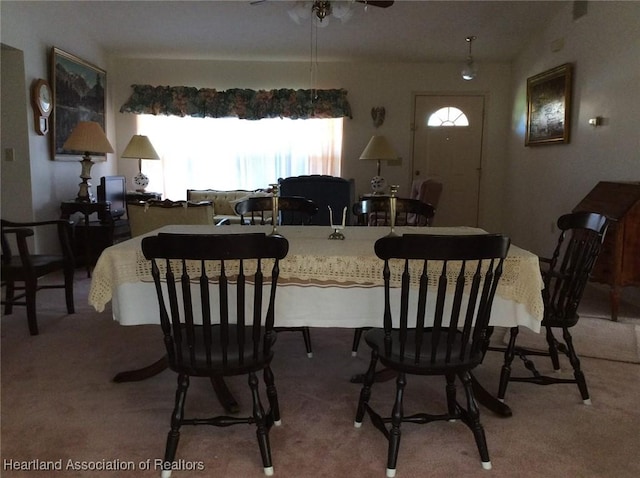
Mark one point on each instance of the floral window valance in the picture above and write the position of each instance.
(239, 103)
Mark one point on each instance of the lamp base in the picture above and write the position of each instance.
(378, 184)
(141, 181)
(84, 194)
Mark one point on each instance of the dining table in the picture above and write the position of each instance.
(323, 282)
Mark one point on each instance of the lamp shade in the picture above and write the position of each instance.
(88, 137)
(140, 148)
(378, 149)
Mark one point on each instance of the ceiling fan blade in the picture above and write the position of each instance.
(381, 4)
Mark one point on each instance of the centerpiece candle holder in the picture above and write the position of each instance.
(337, 228)
(274, 209)
(392, 208)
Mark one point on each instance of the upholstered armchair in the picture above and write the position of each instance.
(323, 190)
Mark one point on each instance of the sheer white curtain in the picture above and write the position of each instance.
(228, 153)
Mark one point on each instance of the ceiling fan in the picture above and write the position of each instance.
(322, 9)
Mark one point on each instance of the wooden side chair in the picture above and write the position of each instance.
(565, 275)
(446, 334)
(375, 211)
(216, 296)
(26, 267)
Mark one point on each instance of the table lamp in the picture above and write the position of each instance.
(378, 149)
(140, 148)
(89, 137)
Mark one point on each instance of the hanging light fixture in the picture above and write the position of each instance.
(469, 71)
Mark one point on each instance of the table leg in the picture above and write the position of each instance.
(220, 388)
(224, 395)
(488, 400)
(142, 373)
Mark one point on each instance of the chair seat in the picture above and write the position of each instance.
(238, 360)
(426, 364)
(42, 264)
(559, 320)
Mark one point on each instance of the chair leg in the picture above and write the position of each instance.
(307, 341)
(357, 334)
(68, 290)
(451, 395)
(176, 420)
(473, 421)
(396, 420)
(365, 392)
(509, 354)
(262, 432)
(9, 294)
(575, 363)
(553, 349)
(272, 396)
(30, 296)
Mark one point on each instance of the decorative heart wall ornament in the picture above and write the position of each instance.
(378, 113)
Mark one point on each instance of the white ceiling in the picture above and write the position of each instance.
(408, 31)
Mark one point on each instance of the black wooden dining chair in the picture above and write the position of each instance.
(444, 334)
(26, 268)
(210, 330)
(565, 276)
(292, 210)
(376, 211)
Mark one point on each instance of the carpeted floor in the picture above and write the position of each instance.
(59, 403)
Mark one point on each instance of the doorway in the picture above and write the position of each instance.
(447, 146)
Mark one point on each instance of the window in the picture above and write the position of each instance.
(229, 153)
(448, 116)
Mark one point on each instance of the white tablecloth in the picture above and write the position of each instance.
(324, 283)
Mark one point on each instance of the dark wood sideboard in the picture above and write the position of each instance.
(619, 262)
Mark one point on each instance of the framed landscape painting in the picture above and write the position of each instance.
(549, 106)
(78, 95)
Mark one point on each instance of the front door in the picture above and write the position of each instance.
(447, 146)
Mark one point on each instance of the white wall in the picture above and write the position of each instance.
(368, 84)
(544, 182)
(34, 28)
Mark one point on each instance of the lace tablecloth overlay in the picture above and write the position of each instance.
(315, 260)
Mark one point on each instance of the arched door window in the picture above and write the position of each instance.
(448, 116)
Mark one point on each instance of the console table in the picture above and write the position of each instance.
(103, 209)
(618, 264)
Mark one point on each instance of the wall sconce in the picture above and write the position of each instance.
(597, 121)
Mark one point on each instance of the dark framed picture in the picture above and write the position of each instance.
(78, 95)
(549, 106)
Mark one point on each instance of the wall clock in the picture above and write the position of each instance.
(42, 102)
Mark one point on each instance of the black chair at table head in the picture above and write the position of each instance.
(376, 211)
(565, 277)
(218, 333)
(433, 338)
(27, 267)
(292, 210)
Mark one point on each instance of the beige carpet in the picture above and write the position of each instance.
(596, 335)
(58, 403)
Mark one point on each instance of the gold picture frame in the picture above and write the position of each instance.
(549, 106)
(78, 95)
